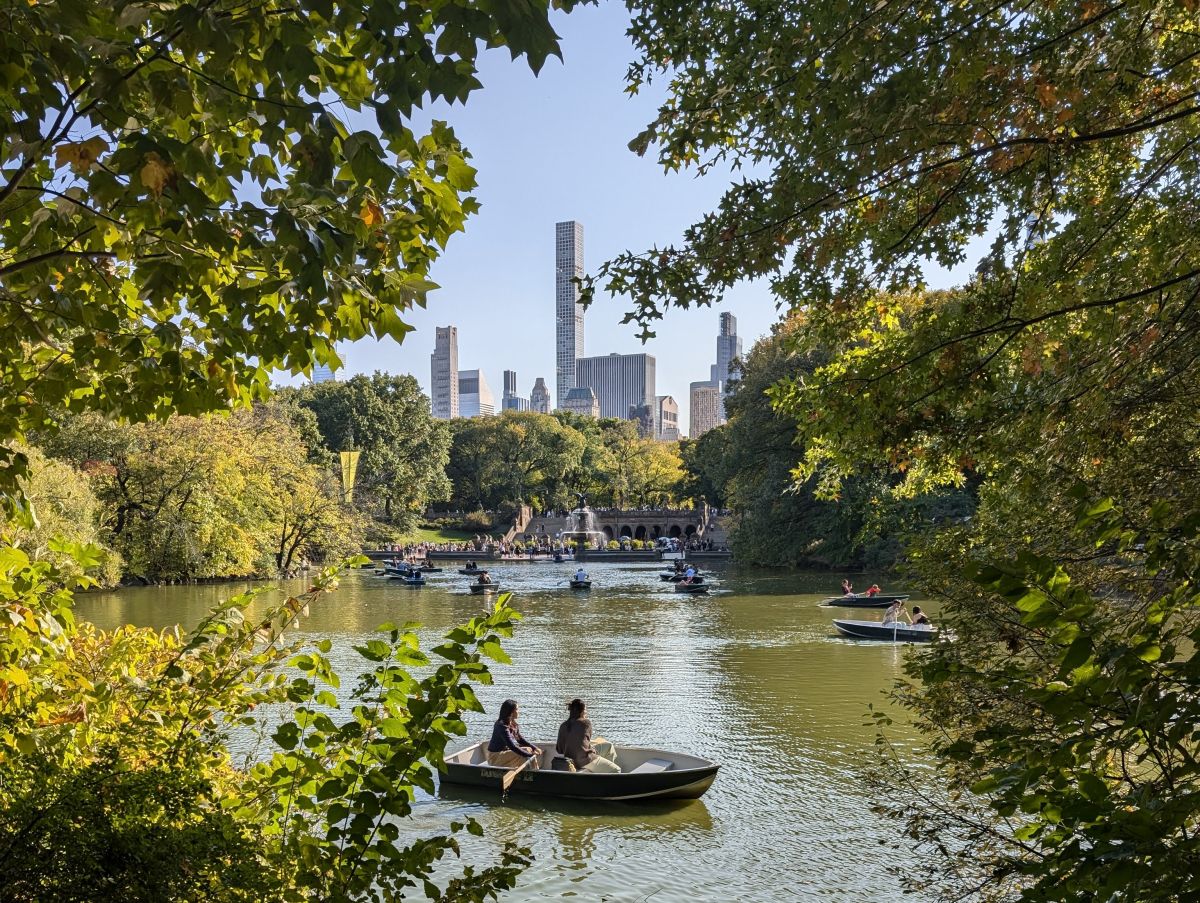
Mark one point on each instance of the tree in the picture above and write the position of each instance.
(1061, 378)
(208, 497)
(68, 512)
(514, 458)
(184, 207)
(404, 450)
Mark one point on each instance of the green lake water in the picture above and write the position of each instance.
(752, 676)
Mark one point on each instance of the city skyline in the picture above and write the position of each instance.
(496, 277)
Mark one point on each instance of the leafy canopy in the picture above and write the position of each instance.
(186, 203)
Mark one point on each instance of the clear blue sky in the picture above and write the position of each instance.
(554, 148)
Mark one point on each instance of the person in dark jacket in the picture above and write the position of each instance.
(507, 748)
(575, 741)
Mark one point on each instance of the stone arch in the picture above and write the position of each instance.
(691, 530)
(627, 532)
(655, 531)
(608, 533)
(675, 532)
(640, 532)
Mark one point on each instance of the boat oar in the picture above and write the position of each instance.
(511, 775)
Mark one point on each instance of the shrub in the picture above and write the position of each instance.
(119, 781)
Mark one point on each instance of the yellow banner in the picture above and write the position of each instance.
(349, 469)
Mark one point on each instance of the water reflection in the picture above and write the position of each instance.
(752, 676)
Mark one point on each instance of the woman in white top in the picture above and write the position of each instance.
(895, 612)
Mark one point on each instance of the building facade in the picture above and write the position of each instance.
(729, 351)
(475, 398)
(322, 373)
(510, 400)
(443, 364)
(705, 408)
(643, 416)
(582, 400)
(620, 381)
(666, 419)
(539, 398)
(568, 312)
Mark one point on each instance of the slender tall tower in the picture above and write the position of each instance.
(568, 258)
(443, 364)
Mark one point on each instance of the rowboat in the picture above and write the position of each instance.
(429, 569)
(581, 584)
(470, 570)
(695, 587)
(874, 630)
(479, 588)
(398, 571)
(646, 774)
(411, 580)
(862, 600)
(670, 578)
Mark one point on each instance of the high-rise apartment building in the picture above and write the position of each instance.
(475, 398)
(620, 381)
(510, 383)
(705, 407)
(539, 398)
(666, 419)
(581, 400)
(322, 373)
(568, 266)
(729, 350)
(443, 382)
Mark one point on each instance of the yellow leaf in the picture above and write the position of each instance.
(80, 155)
(371, 213)
(1046, 95)
(157, 173)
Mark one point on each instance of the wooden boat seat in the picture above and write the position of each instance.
(652, 766)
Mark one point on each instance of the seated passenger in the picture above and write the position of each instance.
(847, 587)
(874, 590)
(507, 748)
(581, 575)
(484, 577)
(575, 742)
(920, 619)
(894, 612)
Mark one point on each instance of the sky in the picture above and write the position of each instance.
(551, 148)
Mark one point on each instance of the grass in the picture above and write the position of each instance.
(422, 534)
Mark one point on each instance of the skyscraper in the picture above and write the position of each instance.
(539, 398)
(706, 408)
(620, 381)
(729, 349)
(511, 401)
(443, 383)
(666, 419)
(322, 373)
(475, 398)
(568, 260)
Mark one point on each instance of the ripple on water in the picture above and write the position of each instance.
(752, 676)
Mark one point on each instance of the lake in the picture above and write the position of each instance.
(752, 676)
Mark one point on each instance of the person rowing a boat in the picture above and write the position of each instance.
(581, 576)
(895, 612)
(575, 742)
(507, 748)
(847, 587)
(689, 575)
(484, 578)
